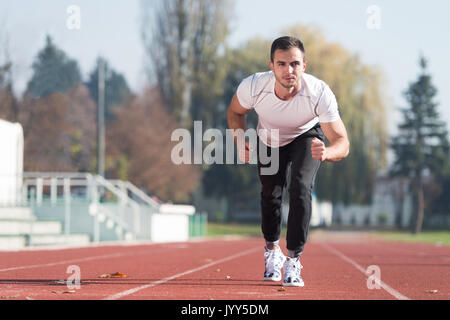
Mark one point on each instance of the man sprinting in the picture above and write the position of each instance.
(303, 109)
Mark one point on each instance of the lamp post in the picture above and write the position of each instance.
(101, 117)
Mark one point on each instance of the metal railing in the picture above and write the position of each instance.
(135, 193)
(119, 204)
(50, 188)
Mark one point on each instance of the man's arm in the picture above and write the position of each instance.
(236, 115)
(236, 120)
(339, 147)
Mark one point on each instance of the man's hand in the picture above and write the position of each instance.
(244, 153)
(318, 150)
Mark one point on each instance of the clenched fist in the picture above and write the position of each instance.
(244, 154)
(318, 150)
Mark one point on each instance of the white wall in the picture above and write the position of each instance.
(169, 227)
(11, 162)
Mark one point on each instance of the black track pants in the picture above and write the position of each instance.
(304, 168)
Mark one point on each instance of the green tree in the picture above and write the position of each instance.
(53, 72)
(116, 88)
(239, 184)
(421, 147)
(441, 205)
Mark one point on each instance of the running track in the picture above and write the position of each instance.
(230, 269)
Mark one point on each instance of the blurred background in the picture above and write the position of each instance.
(97, 88)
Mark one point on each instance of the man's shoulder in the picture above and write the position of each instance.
(263, 75)
(259, 82)
(312, 81)
(314, 85)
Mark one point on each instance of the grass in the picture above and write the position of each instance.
(437, 237)
(215, 229)
(221, 229)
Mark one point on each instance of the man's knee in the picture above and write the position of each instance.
(272, 191)
(300, 188)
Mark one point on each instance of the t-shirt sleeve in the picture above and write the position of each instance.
(327, 107)
(244, 92)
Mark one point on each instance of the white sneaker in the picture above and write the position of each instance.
(292, 277)
(274, 262)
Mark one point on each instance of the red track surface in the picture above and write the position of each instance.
(229, 269)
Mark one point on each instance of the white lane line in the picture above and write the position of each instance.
(51, 264)
(386, 287)
(155, 283)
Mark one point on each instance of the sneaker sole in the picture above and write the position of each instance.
(302, 284)
(272, 279)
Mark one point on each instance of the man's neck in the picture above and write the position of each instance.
(287, 93)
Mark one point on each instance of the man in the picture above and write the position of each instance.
(299, 106)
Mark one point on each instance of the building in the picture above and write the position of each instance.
(391, 206)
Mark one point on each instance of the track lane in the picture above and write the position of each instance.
(198, 270)
(418, 271)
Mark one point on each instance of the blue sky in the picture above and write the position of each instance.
(111, 28)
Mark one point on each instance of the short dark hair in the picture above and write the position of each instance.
(286, 43)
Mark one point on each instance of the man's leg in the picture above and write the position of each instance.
(271, 199)
(303, 173)
(271, 196)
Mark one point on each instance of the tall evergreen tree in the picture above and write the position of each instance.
(421, 147)
(239, 184)
(53, 71)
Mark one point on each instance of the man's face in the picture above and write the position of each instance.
(288, 66)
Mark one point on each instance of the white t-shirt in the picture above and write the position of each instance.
(313, 104)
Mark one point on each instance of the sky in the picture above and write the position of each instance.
(111, 28)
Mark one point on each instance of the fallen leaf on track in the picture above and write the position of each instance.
(432, 291)
(10, 297)
(113, 275)
(282, 289)
(228, 277)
